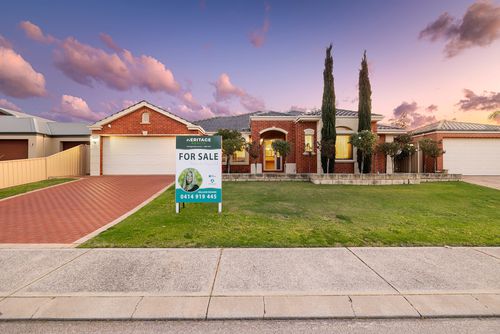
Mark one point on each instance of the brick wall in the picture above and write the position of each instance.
(344, 167)
(237, 169)
(130, 124)
(304, 163)
(379, 160)
(289, 126)
(428, 162)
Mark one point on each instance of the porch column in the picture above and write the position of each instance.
(388, 161)
(95, 155)
(319, 126)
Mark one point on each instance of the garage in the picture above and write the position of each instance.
(13, 149)
(138, 155)
(472, 156)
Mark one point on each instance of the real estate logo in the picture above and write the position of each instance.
(198, 170)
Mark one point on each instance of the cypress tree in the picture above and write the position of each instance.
(328, 133)
(364, 110)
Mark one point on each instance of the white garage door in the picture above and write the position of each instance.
(470, 156)
(138, 155)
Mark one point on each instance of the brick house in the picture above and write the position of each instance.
(470, 148)
(137, 140)
(141, 140)
(303, 131)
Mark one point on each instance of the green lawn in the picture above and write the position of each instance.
(297, 214)
(11, 191)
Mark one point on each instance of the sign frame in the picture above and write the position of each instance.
(198, 170)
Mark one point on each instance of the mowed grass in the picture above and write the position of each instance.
(23, 188)
(297, 214)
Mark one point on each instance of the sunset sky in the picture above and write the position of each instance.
(80, 61)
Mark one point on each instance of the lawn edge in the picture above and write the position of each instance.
(76, 178)
(118, 220)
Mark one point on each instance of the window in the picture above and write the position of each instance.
(145, 118)
(239, 156)
(343, 149)
(308, 140)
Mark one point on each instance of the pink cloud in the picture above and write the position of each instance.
(74, 108)
(17, 76)
(121, 71)
(472, 101)
(110, 43)
(225, 91)
(5, 43)
(258, 36)
(193, 114)
(35, 33)
(480, 26)
(9, 105)
(407, 115)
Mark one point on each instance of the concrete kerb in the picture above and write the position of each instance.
(240, 308)
(119, 219)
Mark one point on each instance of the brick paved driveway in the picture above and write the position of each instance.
(68, 212)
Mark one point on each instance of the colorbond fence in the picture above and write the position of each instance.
(72, 162)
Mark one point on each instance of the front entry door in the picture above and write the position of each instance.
(272, 160)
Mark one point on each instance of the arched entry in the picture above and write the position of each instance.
(271, 162)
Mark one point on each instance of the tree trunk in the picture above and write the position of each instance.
(328, 166)
(435, 164)
(393, 165)
(228, 162)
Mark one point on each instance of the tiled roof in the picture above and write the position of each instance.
(18, 122)
(456, 126)
(242, 122)
(238, 122)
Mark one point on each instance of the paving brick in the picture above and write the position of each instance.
(172, 308)
(491, 301)
(20, 308)
(283, 307)
(382, 307)
(68, 212)
(448, 305)
(88, 308)
(236, 308)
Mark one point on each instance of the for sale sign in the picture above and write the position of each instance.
(198, 169)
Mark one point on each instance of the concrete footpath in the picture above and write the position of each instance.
(249, 283)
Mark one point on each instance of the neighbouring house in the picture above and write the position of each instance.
(470, 148)
(24, 136)
(141, 140)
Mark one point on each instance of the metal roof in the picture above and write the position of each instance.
(386, 127)
(456, 126)
(18, 122)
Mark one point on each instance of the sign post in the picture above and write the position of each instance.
(198, 170)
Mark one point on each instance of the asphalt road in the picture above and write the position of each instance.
(438, 326)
